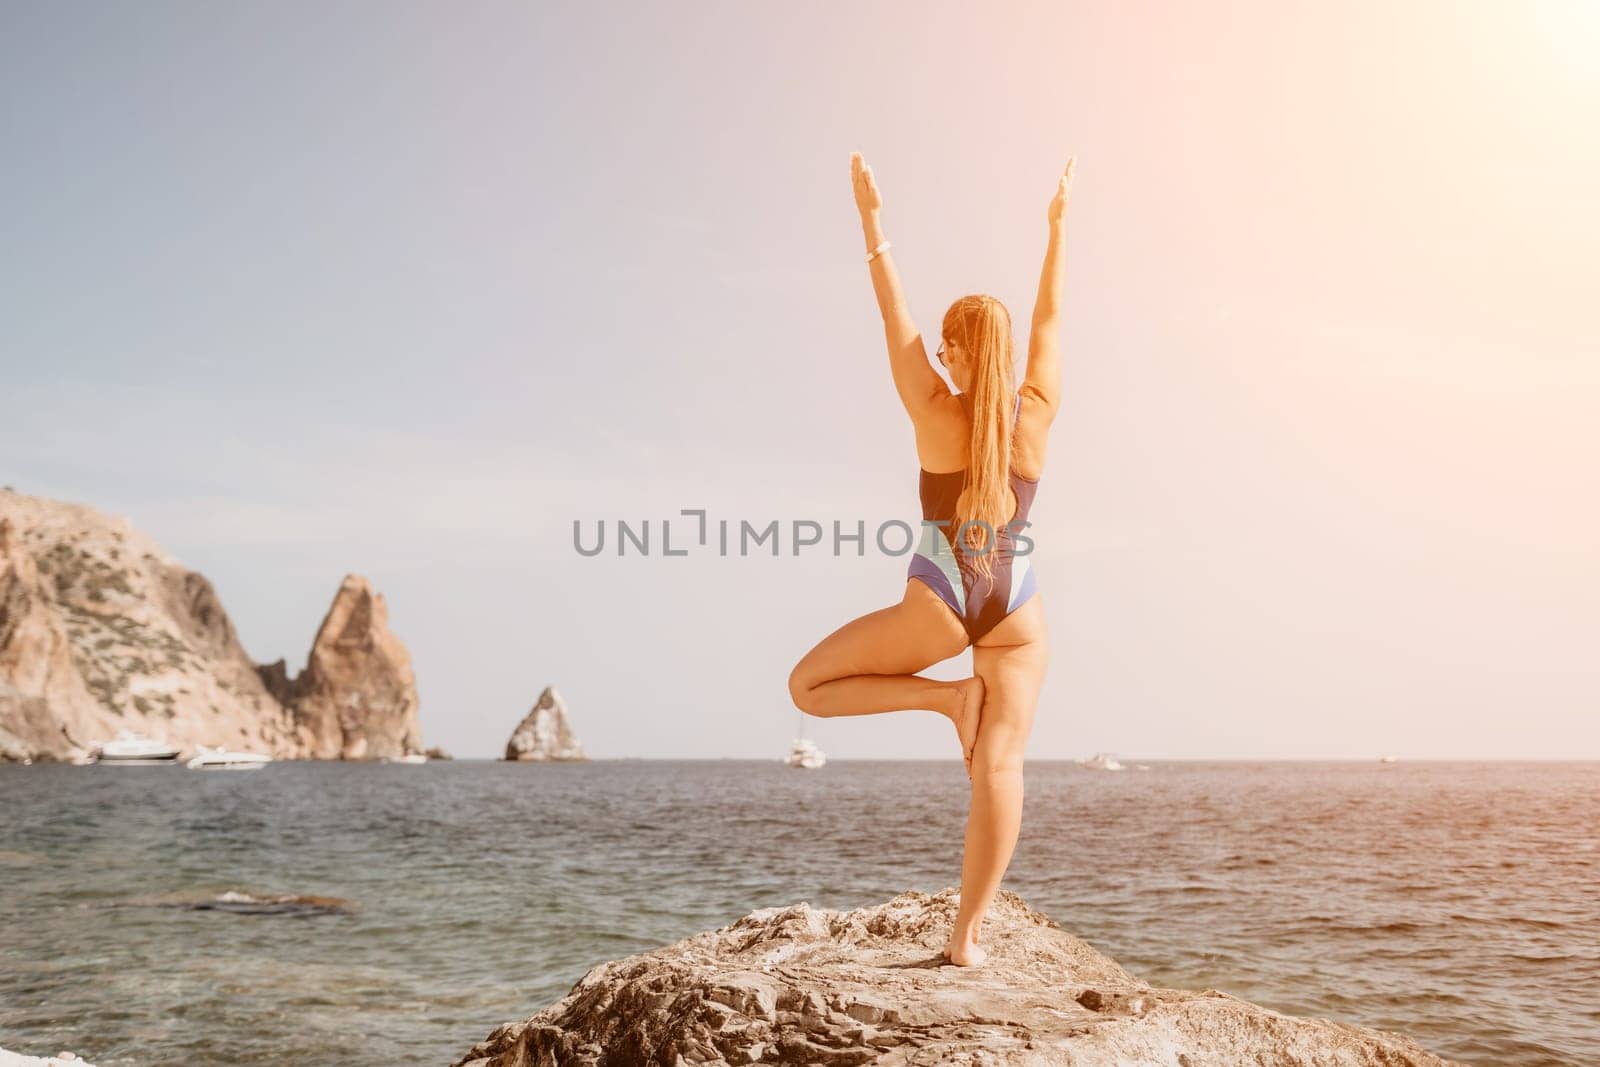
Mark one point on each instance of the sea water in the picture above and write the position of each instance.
(368, 913)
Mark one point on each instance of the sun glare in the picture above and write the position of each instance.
(1571, 30)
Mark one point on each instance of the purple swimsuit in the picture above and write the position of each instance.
(979, 602)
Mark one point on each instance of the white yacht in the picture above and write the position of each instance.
(1101, 761)
(409, 757)
(207, 758)
(129, 747)
(1388, 759)
(806, 754)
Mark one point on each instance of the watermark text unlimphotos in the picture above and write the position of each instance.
(741, 537)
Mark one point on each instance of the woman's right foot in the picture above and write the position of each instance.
(967, 716)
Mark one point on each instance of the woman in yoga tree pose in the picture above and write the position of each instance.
(981, 451)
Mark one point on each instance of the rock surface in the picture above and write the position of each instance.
(545, 734)
(798, 985)
(101, 630)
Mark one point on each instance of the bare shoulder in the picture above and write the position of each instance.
(942, 434)
(1032, 435)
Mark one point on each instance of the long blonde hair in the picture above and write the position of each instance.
(981, 325)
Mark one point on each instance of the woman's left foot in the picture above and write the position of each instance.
(967, 717)
(950, 941)
(966, 954)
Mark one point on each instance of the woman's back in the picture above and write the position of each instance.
(941, 491)
(944, 436)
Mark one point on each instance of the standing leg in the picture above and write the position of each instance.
(869, 665)
(1012, 675)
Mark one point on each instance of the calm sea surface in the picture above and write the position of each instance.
(1458, 902)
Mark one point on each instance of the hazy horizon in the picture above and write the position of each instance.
(403, 291)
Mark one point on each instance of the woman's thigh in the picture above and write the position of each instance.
(903, 638)
(1011, 659)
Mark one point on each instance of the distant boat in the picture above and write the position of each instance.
(221, 759)
(409, 757)
(129, 748)
(806, 754)
(1101, 761)
(1387, 759)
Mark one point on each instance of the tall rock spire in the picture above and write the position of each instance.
(357, 697)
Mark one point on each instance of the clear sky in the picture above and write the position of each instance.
(403, 290)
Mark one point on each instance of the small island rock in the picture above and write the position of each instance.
(545, 734)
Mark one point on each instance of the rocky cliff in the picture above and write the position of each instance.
(798, 985)
(545, 734)
(101, 630)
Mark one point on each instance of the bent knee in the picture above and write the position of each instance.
(800, 687)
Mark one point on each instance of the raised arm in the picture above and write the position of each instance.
(1042, 382)
(919, 386)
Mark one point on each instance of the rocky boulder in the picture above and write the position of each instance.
(545, 734)
(799, 985)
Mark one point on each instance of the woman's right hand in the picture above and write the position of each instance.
(1058, 204)
(868, 200)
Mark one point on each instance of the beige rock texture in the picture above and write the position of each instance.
(545, 734)
(800, 985)
(101, 630)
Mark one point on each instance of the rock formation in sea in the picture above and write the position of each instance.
(357, 697)
(101, 630)
(545, 734)
(800, 985)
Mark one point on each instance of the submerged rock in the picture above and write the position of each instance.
(545, 734)
(801, 985)
(245, 903)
